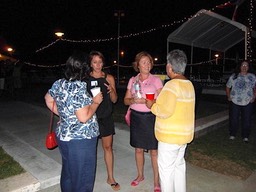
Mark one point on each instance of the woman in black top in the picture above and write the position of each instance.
(106, 82)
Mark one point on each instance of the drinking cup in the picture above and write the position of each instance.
(95, 91)
(150, 96)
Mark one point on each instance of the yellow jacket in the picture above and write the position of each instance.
(175, 112)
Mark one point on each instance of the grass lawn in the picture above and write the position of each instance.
(216, 152)
(8, 166)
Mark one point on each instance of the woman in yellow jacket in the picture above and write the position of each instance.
(174, 127)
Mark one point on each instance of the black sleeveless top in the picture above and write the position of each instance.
(105, 108)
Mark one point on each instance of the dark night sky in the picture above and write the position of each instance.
(28, 25)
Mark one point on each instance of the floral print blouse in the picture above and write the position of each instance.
(71, 96)
(241, 88)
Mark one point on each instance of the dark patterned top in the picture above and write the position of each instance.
(71, 96)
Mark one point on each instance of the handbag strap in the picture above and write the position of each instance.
(51, 118)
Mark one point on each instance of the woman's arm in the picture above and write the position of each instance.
(165, 105)
(85, 113)
(128, 99)
(158, 91)
(228, 93)
(111, 88)
(49, 102)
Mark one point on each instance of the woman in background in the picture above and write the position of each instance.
(142, 136)
(78, 129)
(241, 94)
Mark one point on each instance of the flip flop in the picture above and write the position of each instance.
(136, 182)
(114, 186)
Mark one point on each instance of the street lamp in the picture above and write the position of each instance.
(59, 34)
(216, 58)
(118, 14)
(10, 50)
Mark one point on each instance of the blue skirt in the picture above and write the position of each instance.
(142, 130)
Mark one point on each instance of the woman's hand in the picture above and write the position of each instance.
(109, 88)
(98, 98)
(149, 103)
(139, 100)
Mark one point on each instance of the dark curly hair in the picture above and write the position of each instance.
(77, 67)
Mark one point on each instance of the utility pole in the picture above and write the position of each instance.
(118, 14)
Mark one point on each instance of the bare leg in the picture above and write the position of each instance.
(108, 157)
(153, 154)
(139, 157)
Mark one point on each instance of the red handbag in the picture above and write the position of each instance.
(51, 141)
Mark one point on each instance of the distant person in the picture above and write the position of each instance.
(142, 136)
(175, 120)
(106, 82)
(17, 75)
(2, 77)
(9, 86)
(78, 129)
(240, 92)
(17, 84)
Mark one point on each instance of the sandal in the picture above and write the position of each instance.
(157, 189)
(136, 182)
(115, 186)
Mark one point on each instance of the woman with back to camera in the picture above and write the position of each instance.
(142, 120)
(78, 129)
(175, 122)
(106, 82)
(240, 92)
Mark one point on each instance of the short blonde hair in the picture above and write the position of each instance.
(138, 57)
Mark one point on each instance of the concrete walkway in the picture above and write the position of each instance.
(23, 128)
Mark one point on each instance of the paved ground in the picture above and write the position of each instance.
(23, 128)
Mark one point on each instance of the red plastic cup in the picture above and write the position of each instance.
(150, 96)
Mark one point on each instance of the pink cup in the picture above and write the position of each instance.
(150, 96)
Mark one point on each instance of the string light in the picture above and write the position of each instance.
(115, 38)
(249, 50)
(123, 66)
(47, 46)
(249, 39)
(131, 34)
(44, 66)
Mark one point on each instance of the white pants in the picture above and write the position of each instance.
(172, 167)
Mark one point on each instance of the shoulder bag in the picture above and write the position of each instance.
(51, 142)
